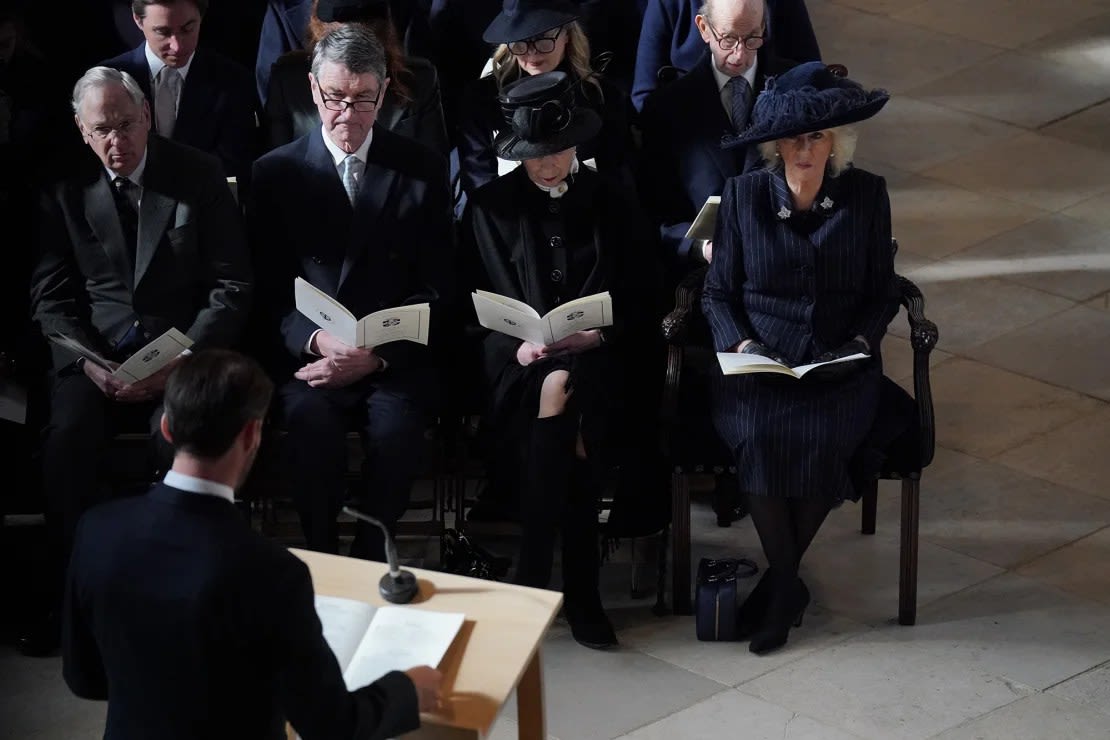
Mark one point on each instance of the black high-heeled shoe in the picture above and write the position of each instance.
(750, 614)
(787, 607)
(589, 625)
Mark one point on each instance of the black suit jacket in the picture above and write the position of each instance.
(683, 162)
(217, 111)
(393, 247)
(191, 269)
(191, 625)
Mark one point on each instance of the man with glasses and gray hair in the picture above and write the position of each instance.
(141, 238)
(362, 214)
(683, 122)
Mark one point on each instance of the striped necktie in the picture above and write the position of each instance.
(741, 102)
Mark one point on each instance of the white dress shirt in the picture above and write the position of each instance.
(204, 487)
(135, 177)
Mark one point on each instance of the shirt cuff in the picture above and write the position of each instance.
(308, 345)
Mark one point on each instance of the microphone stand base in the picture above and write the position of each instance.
(399, 590)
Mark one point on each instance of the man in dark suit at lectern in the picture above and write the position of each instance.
(192, 625)
(362, 214)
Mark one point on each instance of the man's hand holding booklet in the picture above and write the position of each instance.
(408, 323)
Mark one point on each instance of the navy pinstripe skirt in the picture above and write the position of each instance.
(796, 438)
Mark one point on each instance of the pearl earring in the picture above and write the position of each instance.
(832, 154)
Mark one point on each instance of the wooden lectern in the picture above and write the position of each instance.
(497, 648)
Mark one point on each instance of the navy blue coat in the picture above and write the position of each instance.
(393, 247)
(192, 625)
(218, 108)
(801, 293)
(670, 38)
(683, 163)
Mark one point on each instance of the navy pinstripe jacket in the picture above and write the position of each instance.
(801, 295)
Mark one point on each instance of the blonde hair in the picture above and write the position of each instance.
(577, 54)
(840, 158)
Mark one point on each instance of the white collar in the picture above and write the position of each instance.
(136, 176)
(722, 79)
(156, 64)
(338, 155)
(192, 484)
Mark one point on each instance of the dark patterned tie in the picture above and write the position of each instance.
(741, 102)
(126, 195)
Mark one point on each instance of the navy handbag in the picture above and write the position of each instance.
(715, 602)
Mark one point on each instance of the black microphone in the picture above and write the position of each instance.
(397, 586)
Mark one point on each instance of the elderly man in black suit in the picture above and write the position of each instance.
(683, 122)
(362, 214)
(141, 238)
(190, 624)
(198, 96)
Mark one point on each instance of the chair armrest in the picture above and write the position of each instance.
(923, 337)
(687, 296)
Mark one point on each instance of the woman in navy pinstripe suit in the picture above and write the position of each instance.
(802, 271)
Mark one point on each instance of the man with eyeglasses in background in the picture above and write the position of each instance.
(683, 122)
(141, 238)
(362, 214)
(197, 96)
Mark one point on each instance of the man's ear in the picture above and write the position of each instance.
(138, 21)
(164, 427)
(251, 435)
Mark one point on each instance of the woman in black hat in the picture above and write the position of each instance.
(412, 102)
(546, 233)
(802, 271)
(533, 37)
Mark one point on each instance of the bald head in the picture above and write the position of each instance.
(731, 22)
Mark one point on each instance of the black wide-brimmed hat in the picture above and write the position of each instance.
(345, 11)
(523, 19)
(541, 118)
(809, 97)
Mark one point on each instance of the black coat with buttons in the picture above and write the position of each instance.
(513, 232)
(393, 247)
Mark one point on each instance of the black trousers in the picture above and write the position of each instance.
(74, 447)
(391, 424)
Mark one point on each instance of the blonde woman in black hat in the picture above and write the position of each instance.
(802, 271)
(534, 37)
(411, 106)
(549, 232)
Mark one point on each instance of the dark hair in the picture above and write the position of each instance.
(210, 396)
(138, 7)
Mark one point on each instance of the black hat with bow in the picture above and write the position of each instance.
(541, 118)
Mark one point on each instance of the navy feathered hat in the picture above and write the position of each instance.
(808, 97)
(541, 117)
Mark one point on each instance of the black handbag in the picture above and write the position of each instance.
(715, 602)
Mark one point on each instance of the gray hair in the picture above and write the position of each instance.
(706, 10)
(99, 77)
(355, 47)
(840, 158)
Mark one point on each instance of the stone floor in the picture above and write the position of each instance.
(996, 150)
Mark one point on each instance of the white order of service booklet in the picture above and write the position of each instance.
(734, 363)
(518, 319)
(370, 641)
(705, 222)
(139, 366)
(408, 323)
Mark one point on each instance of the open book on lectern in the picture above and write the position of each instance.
(370, 641)
(409, 323)
(518, 319)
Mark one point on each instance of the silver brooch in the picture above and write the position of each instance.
(827, 203)
(784, 213)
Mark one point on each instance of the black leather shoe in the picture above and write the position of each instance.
(750, 615)
(787, 607)
(43, 638)
(589, 625)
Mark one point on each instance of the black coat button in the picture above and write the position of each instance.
(553, 206)
(556, 276)
(316, 259)
(556, 241)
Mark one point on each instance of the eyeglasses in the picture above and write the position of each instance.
(360, 106)
(539, 44)
(750, 42)
(123, 129)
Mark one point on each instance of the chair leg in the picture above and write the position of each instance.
(682, 600)
(869, 504)
(907, 580)
(660, 607)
